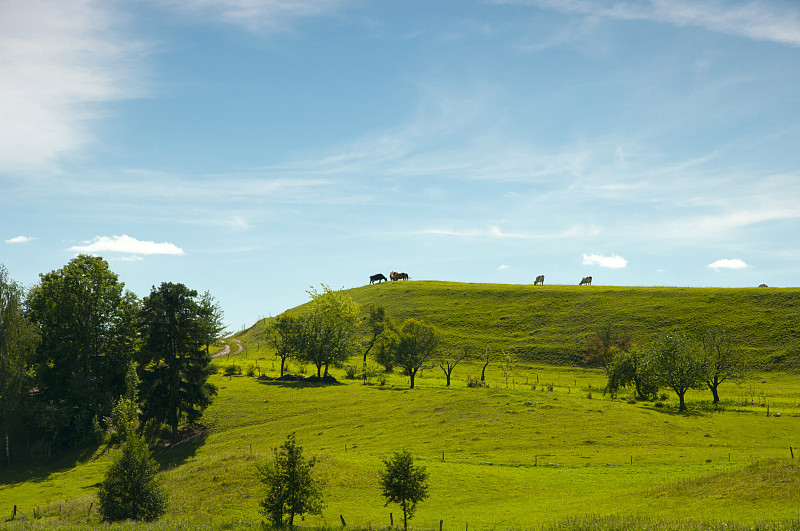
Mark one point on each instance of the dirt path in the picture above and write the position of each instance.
(227, 349)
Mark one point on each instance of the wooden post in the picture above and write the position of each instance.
(14, 514)
(791, 451)
(342, 519)
(440, 524)
(442, 457)
(90, 508)
(391, 520)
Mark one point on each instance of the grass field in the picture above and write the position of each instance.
(541, 448)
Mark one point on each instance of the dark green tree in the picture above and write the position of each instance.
(608, 340)
(174, 365)
(632, 367)
(416, 345)
(724, 360)
(18, 340)
(376, 323)
(448, 363)
(328, 330)
(130, 490)
(404, 484)
(679, 365)
(88, 334)
(291, 489)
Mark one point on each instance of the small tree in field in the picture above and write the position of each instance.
(725, 361)
(416, 345)
(448, 363)
(679, 365)
(291, 489)
(130, 490)
(404, 484)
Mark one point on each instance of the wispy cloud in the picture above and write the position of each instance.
(59, 59)
(502, 267)
(613, 261)
(20, 239)
(728, 263)
(757, 20)
(127, 245)
(256, 15)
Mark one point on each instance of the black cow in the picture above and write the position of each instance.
(376, 278)
(586, 280)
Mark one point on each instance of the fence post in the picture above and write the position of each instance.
(342, 519)
(791, 451)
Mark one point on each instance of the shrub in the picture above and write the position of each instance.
(474, 382)
(351, 372)
(130, 490)
(231, 369)
(251, 370)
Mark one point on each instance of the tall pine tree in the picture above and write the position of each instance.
(174, 365)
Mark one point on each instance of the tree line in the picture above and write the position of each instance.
(68, 346)
(675, 361)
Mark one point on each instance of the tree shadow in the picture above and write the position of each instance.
(172, 455)
(40, 470)
(300, 382)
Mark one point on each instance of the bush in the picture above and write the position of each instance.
(474, 382)
(231, 369)
(130, 490)
(351, 372)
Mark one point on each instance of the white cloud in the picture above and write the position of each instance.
(59, 59)
(613, 261)
(502, 267)
(757, 20)
(126, 244)
(19, 239)
(727, 263)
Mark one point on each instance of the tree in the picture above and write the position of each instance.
(447, 364)
(487, 357)
(377, 323)
(290, 485)
(124, 418)
(679, 365)
(634, 367)
(328, 330)
(173, 363)
(284, 336)
(130, 490)
(212, 318)
(404, 484)
(18, 340)
(88, 334)
(601, 347)
(416, 345)
(725, 362)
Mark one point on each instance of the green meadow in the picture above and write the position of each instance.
(540, 447)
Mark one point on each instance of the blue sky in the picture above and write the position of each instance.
(255, 148)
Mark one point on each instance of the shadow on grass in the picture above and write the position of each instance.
(173, 455)
(299, 382)
(40, 470)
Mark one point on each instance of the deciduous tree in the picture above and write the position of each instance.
(174, 365)
(18, 340)
(416, 345)
(679, 364)
(88, 329)
(448, 363)
(328, 329)
(724, 360)
(291, 489)
(283, 334)
(404, 483)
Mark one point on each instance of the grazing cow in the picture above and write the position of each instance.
(403, 276)
(539, 280)
(376, 278)
(586, 280)
(394, 275)
(762, 285)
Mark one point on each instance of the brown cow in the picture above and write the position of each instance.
(539, 280)
(586, 280)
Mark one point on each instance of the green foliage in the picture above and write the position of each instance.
(18, 340)
(88, 331)
(173, 362)
(327, 332)
(634, 367)
(724, 360)
(284, 335)
(130, 490)
(404, 483)
(679, 365)
(291, 489)
(416, 345)
(603, 345)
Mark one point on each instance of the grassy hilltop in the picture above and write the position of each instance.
(550, 323)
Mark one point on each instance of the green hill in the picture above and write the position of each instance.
(551, 323)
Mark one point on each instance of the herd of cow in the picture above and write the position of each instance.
(394, 275)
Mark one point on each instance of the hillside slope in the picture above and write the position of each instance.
(551, 323)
